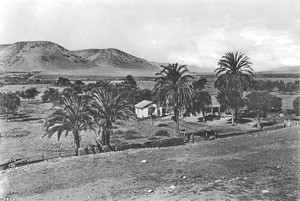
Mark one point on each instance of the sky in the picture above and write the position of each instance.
(192, 32)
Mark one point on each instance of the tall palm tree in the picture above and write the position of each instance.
(234, 73)
(173, 87)
(73, 117)
(108, 105)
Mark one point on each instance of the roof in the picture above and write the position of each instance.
(143, 104)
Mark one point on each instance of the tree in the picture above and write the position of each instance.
(276, 103)
(199, 84)
(48, 94)
(9, 102)
(260, 103)
(151, 111)
(63, 82)
(200, 101)
(30, 93)
(78, 86)
(130, 80)
(296, 105)
(107, 106)
(234, 73)
(73, 117)
(232, 100)
(173, 87)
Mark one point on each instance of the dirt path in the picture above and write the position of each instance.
(248, 167)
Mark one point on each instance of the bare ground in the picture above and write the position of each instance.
(261, 166)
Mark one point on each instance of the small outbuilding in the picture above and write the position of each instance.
(292, 121)
(143, 109)
(214, 107)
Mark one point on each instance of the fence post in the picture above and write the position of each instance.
(43, 157)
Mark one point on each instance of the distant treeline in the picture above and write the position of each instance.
(288, 87)
(277, 75)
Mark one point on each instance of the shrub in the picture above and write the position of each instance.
(162, 133)
(153, 138)
(162, 125)
(131, 135)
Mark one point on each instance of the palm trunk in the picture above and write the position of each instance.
(151, 119)
(6, 115)
(77, 142)
(258, 121)
(203, 113)
(232, 116)
(176, 119)
(106, 133)
(103, 133)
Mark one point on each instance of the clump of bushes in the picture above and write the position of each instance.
(153, 138)
(131, 135)
(162, 133)
(15, 133)
(162, 125)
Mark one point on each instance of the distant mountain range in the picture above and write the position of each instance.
(47, 56)
(284, 69)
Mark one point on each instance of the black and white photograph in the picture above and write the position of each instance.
(149, 100)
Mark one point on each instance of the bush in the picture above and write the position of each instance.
(131, 135)
(162, 125)
(162, 133)
(153, 138)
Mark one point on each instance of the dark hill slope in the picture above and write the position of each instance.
(113, 58)
(40, 56)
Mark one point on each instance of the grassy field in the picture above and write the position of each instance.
(262, 166)
(31, 117)
(21, 137)
(202, 163)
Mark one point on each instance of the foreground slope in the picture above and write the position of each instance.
(40, 56)
(263, 166)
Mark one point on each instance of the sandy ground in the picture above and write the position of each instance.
(262, 166)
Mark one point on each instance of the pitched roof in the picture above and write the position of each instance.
(143, 104)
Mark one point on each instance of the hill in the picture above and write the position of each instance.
(191, 68)
(40, 56)
(47, 56)
(262, 166)
(284, 69)
(113, 58)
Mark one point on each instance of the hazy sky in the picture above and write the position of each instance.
(195, 32)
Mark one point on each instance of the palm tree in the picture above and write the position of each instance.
(234, 73)
(73, 117)
(108, 105)
(173, 87)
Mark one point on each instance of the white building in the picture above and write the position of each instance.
(214, 107)
(142, 109)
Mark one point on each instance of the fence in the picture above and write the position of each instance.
(15, 162)
(93, 150)
(149, 144)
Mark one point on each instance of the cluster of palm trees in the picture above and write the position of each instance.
(173, 88)
(96, 110)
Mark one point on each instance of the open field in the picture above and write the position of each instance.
(21, 137)
(261, 166)
(31, 117)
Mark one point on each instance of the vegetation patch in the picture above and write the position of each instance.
(162, 125)
(131, 135)
(162, 133)
(15, 133)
